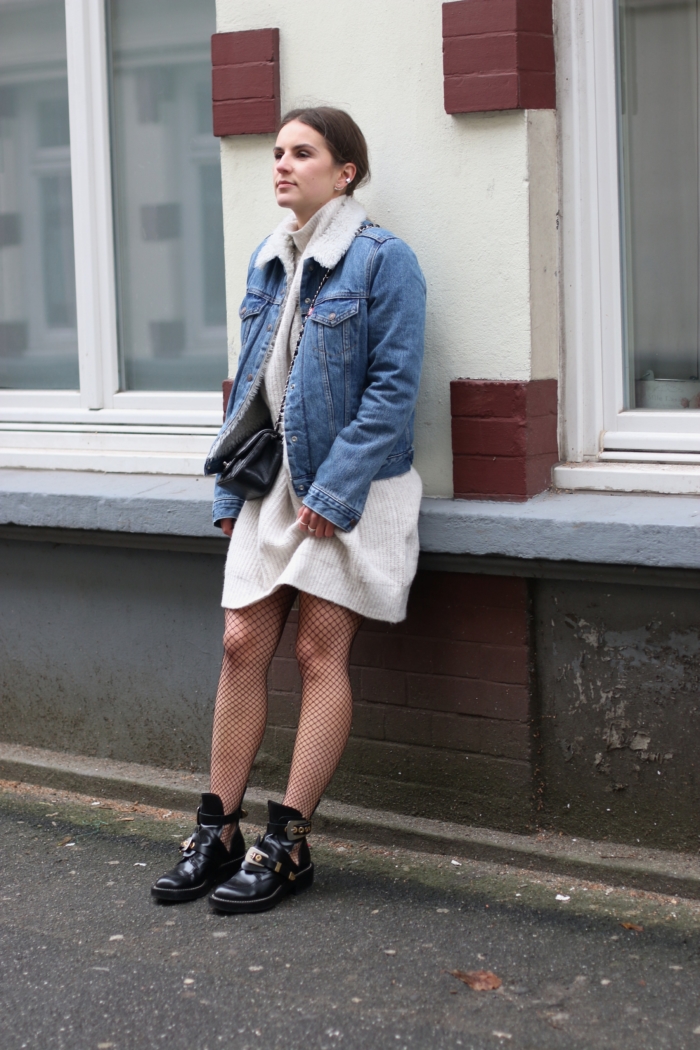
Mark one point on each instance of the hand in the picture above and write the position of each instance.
(314, 524)
(227, 526)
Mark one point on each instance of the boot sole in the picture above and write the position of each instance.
(193, 893)
(303, 881)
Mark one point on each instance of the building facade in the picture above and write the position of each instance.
(541, 157)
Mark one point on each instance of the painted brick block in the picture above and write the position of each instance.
(408, 727)
(368, 721)
(380, 686)
(486, 736)
(498, 55)
(246, 82)
(496, 16)
(227, 387)
(504, 438)
(468, 697)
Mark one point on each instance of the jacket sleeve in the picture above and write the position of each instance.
(396, 331)
(225, 505)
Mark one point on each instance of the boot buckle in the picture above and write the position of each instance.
(297, 830)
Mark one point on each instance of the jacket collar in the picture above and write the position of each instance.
(328, 248)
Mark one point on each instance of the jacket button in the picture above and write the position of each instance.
(294, 438)
(243, 310)
(353, 521)
(307, 300)
(332, 317)
(302, 488)
(269, 328)
(250, 378)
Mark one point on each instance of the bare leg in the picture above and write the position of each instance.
(251, 636)
(326, 633)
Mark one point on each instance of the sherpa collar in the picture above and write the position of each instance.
(327, 249)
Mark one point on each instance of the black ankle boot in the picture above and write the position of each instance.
(205, 860)
(268, 873)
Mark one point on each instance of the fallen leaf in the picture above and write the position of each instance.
(501, 1035)
(390, 951)
(64, 841)
(632, 926)
(120, 820)
(117, 937)
(562, 897)
(478, 980)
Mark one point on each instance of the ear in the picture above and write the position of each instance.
(348, 173)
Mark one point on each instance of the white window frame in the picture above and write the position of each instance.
(100, 427)
(605, 446)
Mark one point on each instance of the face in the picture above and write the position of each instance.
(305, 174)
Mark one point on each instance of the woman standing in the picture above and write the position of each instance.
(332, 346)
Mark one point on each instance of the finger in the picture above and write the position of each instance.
(303, 518)
(314, 521)
(326, 529)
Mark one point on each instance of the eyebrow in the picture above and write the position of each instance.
(298, 145)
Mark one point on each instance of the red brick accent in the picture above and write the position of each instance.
(246, 82)
(504, 438)
(227, 386)
(421, 683)
(498, 54)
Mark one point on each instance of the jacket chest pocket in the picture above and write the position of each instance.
(252, 312)
(336, 326)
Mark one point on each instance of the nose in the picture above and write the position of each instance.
(282, 164)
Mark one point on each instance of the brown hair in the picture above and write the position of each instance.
(343, 138)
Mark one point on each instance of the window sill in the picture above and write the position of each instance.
(631, 477)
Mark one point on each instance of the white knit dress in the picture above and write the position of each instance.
(368, 570)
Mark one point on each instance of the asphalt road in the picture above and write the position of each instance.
(89, 962)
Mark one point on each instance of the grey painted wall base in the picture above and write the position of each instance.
(619, 688)
(115, 652)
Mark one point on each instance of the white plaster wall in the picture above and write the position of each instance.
(455, 188)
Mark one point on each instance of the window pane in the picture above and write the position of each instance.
(660, 187)
(38, 339)
(167, 183)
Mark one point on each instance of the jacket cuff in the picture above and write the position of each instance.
(226, 507)
(343, 516)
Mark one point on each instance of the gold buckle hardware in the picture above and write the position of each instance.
(298, 829)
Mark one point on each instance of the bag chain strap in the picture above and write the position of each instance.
(326, 275)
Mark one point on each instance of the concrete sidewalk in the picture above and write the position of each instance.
(365, 960)
(662, 871)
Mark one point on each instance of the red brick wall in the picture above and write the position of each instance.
(498, 54)
(246, 82)
(504, 438)
(454, 675)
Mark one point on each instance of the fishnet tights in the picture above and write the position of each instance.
(251, 636)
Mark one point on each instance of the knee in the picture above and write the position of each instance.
(313, 651)
(239, 642)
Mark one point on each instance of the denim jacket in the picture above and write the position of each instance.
(351, 399)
